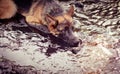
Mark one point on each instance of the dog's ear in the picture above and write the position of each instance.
(50, 19)
(71, 10)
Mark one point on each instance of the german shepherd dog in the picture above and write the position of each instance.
(42, 12)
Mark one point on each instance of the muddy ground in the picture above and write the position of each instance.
(96, 23)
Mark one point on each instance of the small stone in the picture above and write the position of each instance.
(96, 11)
(104, 12)
(100, 22)
(97, 17)
(81, 15)
(114, 22)
(35, 39)
(93, 20)
(108, 22)
(111, 12)
(118, 8)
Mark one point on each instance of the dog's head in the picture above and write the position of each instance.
(62, 27)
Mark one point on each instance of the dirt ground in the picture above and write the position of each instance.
(96, 23)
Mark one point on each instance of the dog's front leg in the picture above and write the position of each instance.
(32, 20)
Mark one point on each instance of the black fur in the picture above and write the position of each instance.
(23, 5)
(50, 6)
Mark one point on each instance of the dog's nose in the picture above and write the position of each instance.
(76, 43)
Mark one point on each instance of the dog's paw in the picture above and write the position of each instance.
(32, 20)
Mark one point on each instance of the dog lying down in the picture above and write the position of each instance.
(45, 13)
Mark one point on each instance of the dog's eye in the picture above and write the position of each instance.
(56, 24)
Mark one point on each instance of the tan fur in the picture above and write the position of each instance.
(7, 9)
(34, 16)
(64, 17)
(67, 16)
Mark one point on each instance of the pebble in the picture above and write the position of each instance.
(114, 22)
(93, 20)
(100, 22)
(118, 8)
(95, 12)
(108, 22)
(35, 39)
(104, 12)
(111, 12)
(81, 15)
(97, 17)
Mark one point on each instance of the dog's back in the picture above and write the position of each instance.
(8, 8)
(35, 11)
